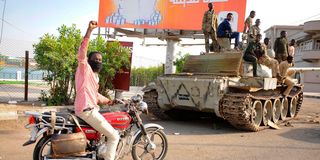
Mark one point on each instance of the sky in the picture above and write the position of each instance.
(27, 20)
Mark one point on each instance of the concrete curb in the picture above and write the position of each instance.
(13, 114)
(312, 96)
(8, 115)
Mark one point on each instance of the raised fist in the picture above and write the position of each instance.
(92, 25)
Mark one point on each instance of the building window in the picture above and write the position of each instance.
(306, 46)
(317, 44)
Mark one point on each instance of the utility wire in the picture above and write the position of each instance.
(305, 19)
(4, 8)
(17, 28)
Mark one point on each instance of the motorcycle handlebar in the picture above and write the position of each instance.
(118, 101)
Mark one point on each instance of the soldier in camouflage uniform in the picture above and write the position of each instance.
(281, 47)
(209, 28)
(247, 25)
(253, 52)
(254, 31)
(248, 22)
(256, 54)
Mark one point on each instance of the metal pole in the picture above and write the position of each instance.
(169, 68)
(26, 72)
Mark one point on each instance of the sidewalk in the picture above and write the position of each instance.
(311, 94)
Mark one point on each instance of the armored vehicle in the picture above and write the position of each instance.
(220, 84)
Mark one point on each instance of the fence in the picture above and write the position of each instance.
(14, 89)
(12, 80)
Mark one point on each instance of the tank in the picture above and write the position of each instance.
(221, 84)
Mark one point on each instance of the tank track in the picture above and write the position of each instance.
(299, 103)
(236, 108)
(151, 99)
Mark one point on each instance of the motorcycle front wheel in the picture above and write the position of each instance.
(42, 148)
(142, 150)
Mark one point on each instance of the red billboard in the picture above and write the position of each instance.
(167, 14)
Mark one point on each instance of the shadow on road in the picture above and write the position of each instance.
(203, 126)
(311, 135)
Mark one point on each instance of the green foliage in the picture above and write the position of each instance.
(180, 61)
(20, 82)
(142, 76)
(3, 59)
(57, 56)
(115, 57)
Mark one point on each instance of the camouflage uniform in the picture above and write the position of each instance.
(253, 31)
(209, 28)
(248, 21)
(281, 49)
(251, 55)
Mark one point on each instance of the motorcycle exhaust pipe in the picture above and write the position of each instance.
(93, 155)
(69, 158)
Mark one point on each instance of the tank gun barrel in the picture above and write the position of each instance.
(302, 69)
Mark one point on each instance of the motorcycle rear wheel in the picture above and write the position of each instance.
(44, 144)
(140, 145)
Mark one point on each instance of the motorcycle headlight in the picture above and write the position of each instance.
(143, 107)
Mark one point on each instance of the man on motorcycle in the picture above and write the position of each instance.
(87, 96)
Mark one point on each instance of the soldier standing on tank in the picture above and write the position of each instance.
(254, 30)
(281, 47)
(209, 27)
(248, 23)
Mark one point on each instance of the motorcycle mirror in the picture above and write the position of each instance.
(143, 107)
(137, 98)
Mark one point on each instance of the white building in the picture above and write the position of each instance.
(307, 52)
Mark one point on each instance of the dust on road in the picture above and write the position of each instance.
(197, 140)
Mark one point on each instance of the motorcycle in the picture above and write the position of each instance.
(144, 141)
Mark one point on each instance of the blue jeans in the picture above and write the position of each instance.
(235, 35)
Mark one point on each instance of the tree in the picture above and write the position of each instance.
(180, 61)
(115, 57)
(57, 56)
(142, 76)
(2, 60)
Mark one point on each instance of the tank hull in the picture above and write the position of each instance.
(212, 85)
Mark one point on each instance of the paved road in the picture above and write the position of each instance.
(15, 92)
(198, 141)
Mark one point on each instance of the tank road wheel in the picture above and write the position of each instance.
(241, 112)
(276, 110)
(293, 106)
(267, 112)
(284, 109)
(257, 113)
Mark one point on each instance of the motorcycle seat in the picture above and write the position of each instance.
(66, 116)
(114, 108)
